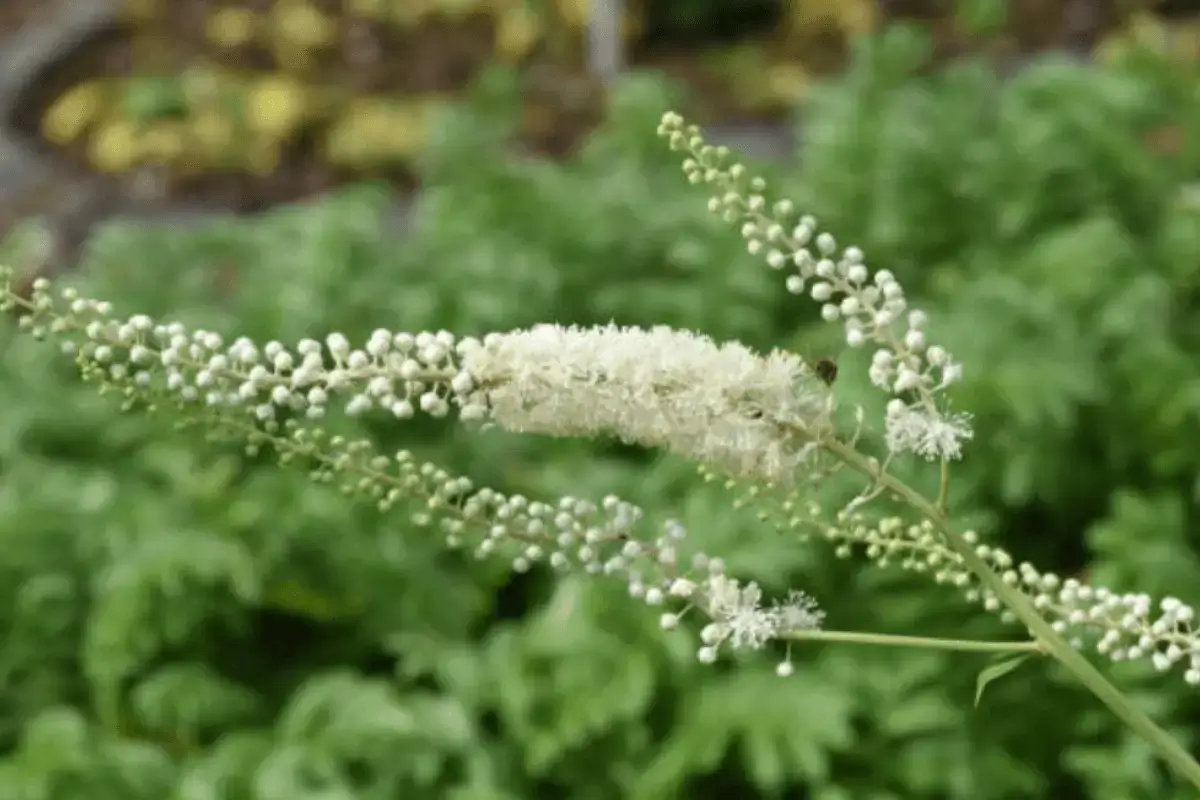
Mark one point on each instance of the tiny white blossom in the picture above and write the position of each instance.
(798, 613)
(737, 613)
(931, 434)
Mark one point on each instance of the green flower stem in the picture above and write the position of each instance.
(1052, 643)
(922, 642)
(943, 501)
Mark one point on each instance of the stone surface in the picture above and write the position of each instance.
(31, 185)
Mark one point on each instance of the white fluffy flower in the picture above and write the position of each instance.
(737, 614)
(722, 405)
(799, 613)
(926, 432)
(739, 619)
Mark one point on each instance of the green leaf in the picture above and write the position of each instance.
(983, 17)
(997, 670)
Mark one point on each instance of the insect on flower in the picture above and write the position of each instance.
(827, 371)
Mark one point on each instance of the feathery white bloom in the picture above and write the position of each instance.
(737, 614)
(928, 433)
(799, 613)
(739, 619)
(722, 405)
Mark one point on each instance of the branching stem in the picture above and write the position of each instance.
(1016, 601)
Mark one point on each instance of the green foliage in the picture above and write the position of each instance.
(995, 671)
(182, 620)
(982, 17)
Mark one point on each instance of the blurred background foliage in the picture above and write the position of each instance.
(277, 99)
(181, 620)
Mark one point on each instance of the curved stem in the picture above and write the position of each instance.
(1016, 601)
(922, 642)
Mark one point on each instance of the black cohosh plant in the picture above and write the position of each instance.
(769, 425)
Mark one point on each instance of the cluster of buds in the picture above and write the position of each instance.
(1118, 626)
(872, 308)
(572, 534)
(397, 372)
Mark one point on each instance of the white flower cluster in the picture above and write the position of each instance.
(656, 387)
(574, 534)
(1122, 627)
(602, 540)
(1130, 629)
(738, 617)
(872, 309)
(397, 372)
(722, 405)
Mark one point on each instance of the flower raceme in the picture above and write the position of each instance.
(1127, 626)
(767, 419)
(733, 411)
(873, 310)
(870, 308)
(721, 405)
